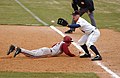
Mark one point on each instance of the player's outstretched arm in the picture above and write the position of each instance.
(74, 26)
(65, 49)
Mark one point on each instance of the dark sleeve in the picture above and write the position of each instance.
(65, 49)
(74, 5)
(90, 5)
(74, 26)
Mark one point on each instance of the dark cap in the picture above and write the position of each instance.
(76, 13)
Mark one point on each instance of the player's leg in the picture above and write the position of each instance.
(35, 53)
(82, 42)
(90, 43)
(82, 11)
(11, 49)
(42, 52)
(91, 16)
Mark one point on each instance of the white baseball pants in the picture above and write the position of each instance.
(89, 39)
(38, 52)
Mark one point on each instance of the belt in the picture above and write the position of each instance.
(93, 30)
(50, 50)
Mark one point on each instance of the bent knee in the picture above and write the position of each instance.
(80, 43)
(89, 44)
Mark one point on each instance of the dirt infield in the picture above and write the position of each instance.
(31, 37)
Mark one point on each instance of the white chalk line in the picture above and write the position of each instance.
(36, 17)
(114, 75)
(59, 32)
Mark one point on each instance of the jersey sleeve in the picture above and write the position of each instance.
(65, 49)
(74, 26)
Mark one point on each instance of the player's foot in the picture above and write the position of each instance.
(18, 50)
(98, 57)
(69, 32)
(11, 49)
(85, 56)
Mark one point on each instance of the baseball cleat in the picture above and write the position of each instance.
(69, 32)
(85, 56)
(98, 57)
(11, 49)
(18, 50)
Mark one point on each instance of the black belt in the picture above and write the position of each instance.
(50, 50)
(93, 30)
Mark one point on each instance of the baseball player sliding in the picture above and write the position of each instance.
(91, 34)
(55, 50)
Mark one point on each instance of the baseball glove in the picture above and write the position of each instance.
(62, 22)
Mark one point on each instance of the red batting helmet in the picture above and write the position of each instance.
(67, 39)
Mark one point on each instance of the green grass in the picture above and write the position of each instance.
(46, 75)
(107, 12)
(49, 10)
(12, 13)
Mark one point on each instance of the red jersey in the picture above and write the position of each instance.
(61, 47)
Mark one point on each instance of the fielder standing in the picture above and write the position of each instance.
(91, 34)
(55, 50)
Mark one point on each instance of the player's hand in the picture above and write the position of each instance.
(62, 22)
